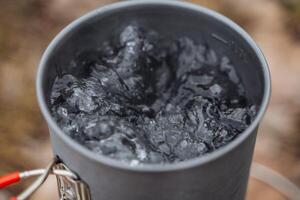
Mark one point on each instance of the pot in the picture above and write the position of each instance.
(222, 174)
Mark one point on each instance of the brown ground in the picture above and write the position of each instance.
(27, 28)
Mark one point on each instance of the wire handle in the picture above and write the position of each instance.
(43, 175)
(16, 177)
(36, 184)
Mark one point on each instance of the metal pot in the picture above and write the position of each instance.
(222, 174)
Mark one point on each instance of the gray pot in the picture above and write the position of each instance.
(222, 174)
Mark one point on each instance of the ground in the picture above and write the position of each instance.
(27, 28)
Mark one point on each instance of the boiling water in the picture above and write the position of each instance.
(142, 98)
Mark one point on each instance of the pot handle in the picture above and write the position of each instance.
(70, 187)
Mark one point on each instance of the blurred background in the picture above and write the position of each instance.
(27, 26)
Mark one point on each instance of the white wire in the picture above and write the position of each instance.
(57, 172)
(275, 180)
(38, 182)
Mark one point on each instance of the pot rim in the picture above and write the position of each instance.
(76, 147)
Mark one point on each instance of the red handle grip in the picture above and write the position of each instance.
(9, 179)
